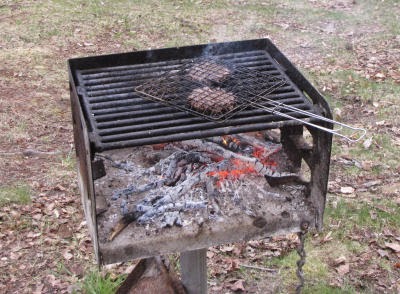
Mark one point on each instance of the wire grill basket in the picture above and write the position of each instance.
(211, 88)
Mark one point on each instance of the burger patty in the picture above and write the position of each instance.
(211, 100)
(208, 71)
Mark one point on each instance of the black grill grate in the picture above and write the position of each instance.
(118, 116)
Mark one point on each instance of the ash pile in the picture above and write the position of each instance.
(190, 183)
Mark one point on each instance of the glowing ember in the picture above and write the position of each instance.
(238, 168)
(262, 154)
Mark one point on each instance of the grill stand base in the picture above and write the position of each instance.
(194, 271)
(302, 254)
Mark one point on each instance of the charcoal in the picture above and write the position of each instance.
(131, 189)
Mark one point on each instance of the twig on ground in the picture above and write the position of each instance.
(261, 268)
(31, 153)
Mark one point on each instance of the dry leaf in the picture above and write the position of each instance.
(33, 235)
(343, 269)
(346, 190)
(327, 237)
(383, 253)
(38, 289)
(226, 248)
(337, 112)
(65, 231)
(60, 188)
(367, 143)
(217, 288)
(237, 251)
(394, 246)
(367, 165)
(237, 286)
(68, 255)
(233, 265)
(339, 260)
(37, 216)
(372, 183)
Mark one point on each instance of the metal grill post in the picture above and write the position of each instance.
(194, 271)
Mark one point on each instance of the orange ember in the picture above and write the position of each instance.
(227, 139)
(239, 168)
(260, 154)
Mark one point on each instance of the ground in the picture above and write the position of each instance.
(349, 49)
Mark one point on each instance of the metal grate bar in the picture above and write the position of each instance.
(181, 125)
(207, 128)
(138, 116)
(128, 112)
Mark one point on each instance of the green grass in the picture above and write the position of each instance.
(363, 215)
(350, 85)
(323, 288)
(388, 156)
(96, 283)
(69, 161)
(315, 269)
(18, 194)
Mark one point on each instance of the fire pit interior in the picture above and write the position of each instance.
(173, 157)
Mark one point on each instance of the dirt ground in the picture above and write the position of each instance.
(349, 49)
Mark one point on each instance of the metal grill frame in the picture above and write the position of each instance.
(316, 156)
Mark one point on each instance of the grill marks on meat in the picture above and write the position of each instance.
(211, 100)
(206, 72)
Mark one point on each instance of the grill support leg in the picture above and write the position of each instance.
(194, 271)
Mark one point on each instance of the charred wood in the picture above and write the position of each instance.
(123, 223)
(258, 166)
(284, 180)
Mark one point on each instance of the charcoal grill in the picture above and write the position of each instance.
(111, 113)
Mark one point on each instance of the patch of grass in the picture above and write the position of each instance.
(323, 288)
(96, 283)
(348, 84)
(315, 269)
(354, 246)
(389, 155)
(18, 194)
(69, 161)
(367, 215)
